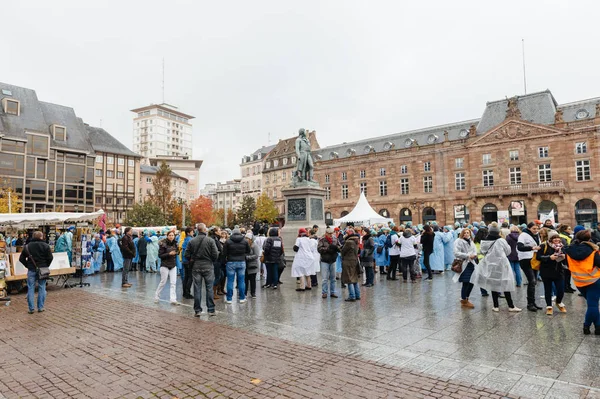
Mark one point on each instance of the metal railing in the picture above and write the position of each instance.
(556, 186)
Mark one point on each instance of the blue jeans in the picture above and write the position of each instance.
(328, 275)
(592, 296)
(353, 291)
(516, 266)
(236, 269)
(31, 279)
(208, 275)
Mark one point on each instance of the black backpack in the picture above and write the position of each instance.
(388, 241)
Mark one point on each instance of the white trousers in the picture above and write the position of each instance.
(172, 276)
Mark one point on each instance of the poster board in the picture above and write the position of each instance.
(18, 269)
(503, 217)
(60, 261)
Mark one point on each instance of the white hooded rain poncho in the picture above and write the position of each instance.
(494, 273)
(304, 261)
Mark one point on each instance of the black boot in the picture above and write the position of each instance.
(586, 330)
(532, 308)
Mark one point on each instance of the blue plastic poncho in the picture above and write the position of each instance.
(115, 252)
(436, 259)
(381, 259)
(137, 255)
(448, 248)
(152, 253)
(98, 249)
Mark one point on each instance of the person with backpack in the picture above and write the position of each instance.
(273, 253)
(381, 254)
(366, 257)
(527, 245)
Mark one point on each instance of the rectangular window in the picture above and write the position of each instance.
(404, 169)
(41, 169)
(583, 170)
(11, 107)
(488, 178)
(110, 173)
(545, 173)
(404, 187)
(148, 180)
(326, 178)
(344, 176)
(37, 145)
(363, 188)
(98, 200)
(99, 159)
(459, 163)
(130, 189)
(514, 175)
(327, 193)
(120, 175)
(283, 176)
(383, 188)
(344, 191)
(130, 163)
(581, 148)
(13, 165)
(427, 166)
(110, 160)
(543, 152)
(120, 188)
(109, 187)
(513, 155)
(382, 172)
(427, 184)
(363, 174)
(60, 133)
(459, 181)
(121, 161)
(487, 159)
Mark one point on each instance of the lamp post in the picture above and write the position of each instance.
(417, 206)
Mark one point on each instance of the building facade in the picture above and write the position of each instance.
(228, 195)
(178, 184)
(251, 171)
(162, 130)
(526, 157)
(116, 175)
(188, 169)
(279, 166)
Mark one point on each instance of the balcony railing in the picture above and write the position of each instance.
(557, 186)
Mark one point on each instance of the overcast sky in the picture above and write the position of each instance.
(347, 69)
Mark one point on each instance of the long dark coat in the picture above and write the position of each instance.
(350, 261)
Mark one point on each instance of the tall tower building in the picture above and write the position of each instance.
(162, 131)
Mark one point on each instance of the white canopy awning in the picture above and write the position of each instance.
(362, 214)
(46, 218)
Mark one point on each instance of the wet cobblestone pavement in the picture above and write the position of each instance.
(400, 340)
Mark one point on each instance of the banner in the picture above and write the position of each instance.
(546, 216)
(517, 208)
(459, 211)
(503, 217)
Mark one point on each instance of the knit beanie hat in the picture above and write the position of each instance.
(493, 229)
(578, 228)
(552, 234)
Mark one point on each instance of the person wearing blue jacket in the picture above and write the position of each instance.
(98, 249)
(136, 260)
(448, 247)
(115, 252)
(436, 259)
(381, 252)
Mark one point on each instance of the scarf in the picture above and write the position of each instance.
(329, 239)
(557, 248)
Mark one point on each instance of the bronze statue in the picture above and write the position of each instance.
(304, 164)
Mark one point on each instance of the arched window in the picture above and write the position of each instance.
(405, 215)
(344, 213)
(428, 214)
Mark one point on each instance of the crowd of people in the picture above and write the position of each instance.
(493, 257)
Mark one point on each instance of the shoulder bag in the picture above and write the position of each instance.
(42, 272)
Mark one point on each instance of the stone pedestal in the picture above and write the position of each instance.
(305, 207)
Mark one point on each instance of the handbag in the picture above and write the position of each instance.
(457, 265)
(379, 250)
(359, 268)
(42, 272)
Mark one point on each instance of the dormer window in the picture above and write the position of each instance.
(59, 133)
(11, 107)
(275, 163)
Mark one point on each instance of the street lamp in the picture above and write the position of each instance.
(417, 206)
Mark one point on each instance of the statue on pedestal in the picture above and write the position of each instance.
(304, 164)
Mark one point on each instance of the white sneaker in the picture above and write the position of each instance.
(243, 300)
(495, 309)
(176, 303)
(156, 300)
(227, 302)
(515, 309)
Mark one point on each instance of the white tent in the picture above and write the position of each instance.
(362, 214)
(20, 220)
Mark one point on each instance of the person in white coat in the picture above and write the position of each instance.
(304, 262)
(494, 273)
(464, 249)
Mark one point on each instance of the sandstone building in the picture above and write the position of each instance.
(524, 157)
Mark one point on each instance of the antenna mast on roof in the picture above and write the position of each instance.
(524, 75)
(163, 81)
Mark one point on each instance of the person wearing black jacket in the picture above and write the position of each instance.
(273, 252)
(142, 251)
(202, 254)
(235, 251)
(328, 247)
(36, 254)
(366, 257)
(552, 270)
(127, 248)
(167, 251)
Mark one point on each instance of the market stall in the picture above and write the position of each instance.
(362, 215)
(60, 267)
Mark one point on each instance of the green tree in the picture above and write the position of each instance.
(266, 209)
(219, 216)
(145, 214)
(162, 195)
(245, 215)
